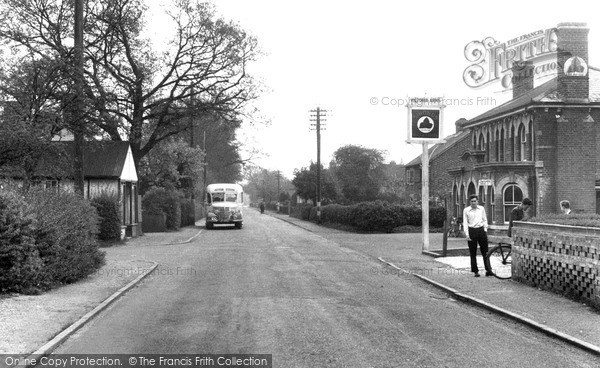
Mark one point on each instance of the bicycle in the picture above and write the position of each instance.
(454, 231)
(501, 260)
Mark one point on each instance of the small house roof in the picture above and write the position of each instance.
(101, 159)
(439, 148)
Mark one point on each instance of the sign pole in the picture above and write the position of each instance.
(425, 126)
(425, 195)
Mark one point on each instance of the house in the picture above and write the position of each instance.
(543, 143)
(108, 167)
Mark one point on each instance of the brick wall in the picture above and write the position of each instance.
(440, 182)
(563, 259)
(545, 154)
(576, 156)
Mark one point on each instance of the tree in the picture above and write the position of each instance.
(358, 171)
(264, 184)
(305, 181)
(131, 90)
(33, 98)
(172, 165)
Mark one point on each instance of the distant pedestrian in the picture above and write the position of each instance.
(476, 225)
(518, 213)
(565, 207)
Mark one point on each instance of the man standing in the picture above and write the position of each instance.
(518, 213)
(476, 226)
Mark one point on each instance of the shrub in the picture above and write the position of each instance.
(374, 216)
(580, 219)
(66, 226)
(302, 211)
(46, 239)
(160, 200)
(188, 217)
(20, 262)
(108, 209)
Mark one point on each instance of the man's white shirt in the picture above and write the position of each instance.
(475, 217)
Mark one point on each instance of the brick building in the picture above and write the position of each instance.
(542, 144)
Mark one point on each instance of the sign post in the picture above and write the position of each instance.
(425, 127)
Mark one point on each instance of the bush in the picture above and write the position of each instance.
(580, 219)
(301, 211)
(108, 209)
(188, 217)
(159, 200)
(66, 226)
(374, 216)
(20, 262)
(46, 239)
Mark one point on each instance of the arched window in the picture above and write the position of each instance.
(481, 195)
(492, 204)
(481, 146)
(487, 148)
(513, 195)
(522, 142)
(462, 198)
(502, 145)
(455, 200)
(471, 190)
(512, 145)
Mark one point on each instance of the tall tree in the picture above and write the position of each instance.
(173, 164)
(359, 172)
(33, 102)
(133, 91)
(305, 181)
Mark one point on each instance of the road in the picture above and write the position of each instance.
(274, 288)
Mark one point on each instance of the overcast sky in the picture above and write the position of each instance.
(360, 60)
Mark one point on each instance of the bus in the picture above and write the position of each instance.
(224, 204)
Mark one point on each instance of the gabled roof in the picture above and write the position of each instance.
(544, 93)
(102, 159)
(439, 148)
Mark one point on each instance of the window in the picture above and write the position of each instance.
(482, 195)
(50, 185)
(492, 204)
(502, 145)
(513, 195)
(457, 209)
(522, 143)
(471, 190)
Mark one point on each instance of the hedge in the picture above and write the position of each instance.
(46, 239)
(108, 209)
(573, 219)
(372, 216)
(159, 200)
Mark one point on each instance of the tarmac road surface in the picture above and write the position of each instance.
(273, 288)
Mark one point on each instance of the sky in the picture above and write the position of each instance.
(360, 61)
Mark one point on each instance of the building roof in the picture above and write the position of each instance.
(439, 148)
(544, 93)
(102, 159)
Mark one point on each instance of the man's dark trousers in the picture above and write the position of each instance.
(478, 235)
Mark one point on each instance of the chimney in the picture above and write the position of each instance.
(460, 124)
(572, 60)
(522, 77)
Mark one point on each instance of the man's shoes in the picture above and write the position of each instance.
(477, 274)
(489, 273)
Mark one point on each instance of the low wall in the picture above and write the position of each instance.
(561, 258)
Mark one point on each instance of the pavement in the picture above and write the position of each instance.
(557, 316)
(550, 313)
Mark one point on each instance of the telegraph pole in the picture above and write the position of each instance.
(318, 116)
(77, 107)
